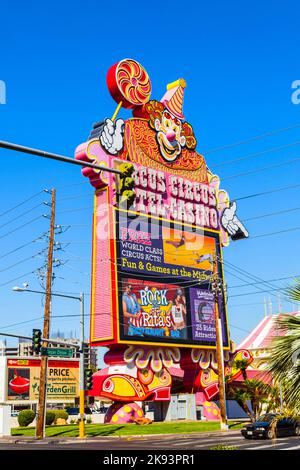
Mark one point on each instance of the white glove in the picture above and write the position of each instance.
(231, 223)
(111, 136)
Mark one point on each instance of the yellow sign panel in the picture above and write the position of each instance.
(23, 379)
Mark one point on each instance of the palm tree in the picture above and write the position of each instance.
(255, 391)
(284, 363)
(241, 364)
(258, 393)
(273, 401)
(241, 397)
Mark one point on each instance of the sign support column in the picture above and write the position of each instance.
(81, 371)
(217, 290)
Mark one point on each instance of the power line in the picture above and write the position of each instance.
(20, 215)
(194, 283)
(247, 274)
(271, 214)
(263, 193)
(78, 196)
(255, 154)
(253, 277)
(246, 305)
(259, 170)
(16, 278)
(231, 265)
(20, 323)
(238, 328)
(253, 293)
(250, 276)
(75, 210)
(293, 229)
(270, 280)
(18, 248)
(20, 204)
(19, 262)
(251, 139)
(21, 226)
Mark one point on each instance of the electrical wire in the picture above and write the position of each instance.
(19, 262)
(256, 154)
(264, 193)
(20, 323)
(18, 248)
(21, 226)
(75, 210)
(259, 170)
(268, 234)
(192, 283)
(271, 214)
(250, 276)
(253, 293)
(19, 216)
(17, 278)
(21, 203)
(246, 273)
(251, 139)
(259, 282)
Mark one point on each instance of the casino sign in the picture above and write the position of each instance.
(159, 227)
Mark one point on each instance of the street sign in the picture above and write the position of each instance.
(57, 352)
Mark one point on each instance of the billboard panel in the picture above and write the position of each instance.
(164, 275)
(152, 309)
(23, 378)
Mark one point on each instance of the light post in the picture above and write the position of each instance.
(81, 359)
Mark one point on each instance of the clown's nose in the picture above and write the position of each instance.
(171, 136)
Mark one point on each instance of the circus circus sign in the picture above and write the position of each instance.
(166, 195)
(159, 227)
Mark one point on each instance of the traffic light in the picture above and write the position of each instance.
(36, 341)
(88, 379)
(126, 185)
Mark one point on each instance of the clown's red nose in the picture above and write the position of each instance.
(170, 136)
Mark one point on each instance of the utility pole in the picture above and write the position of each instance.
(81, 379)
(217, 290)
(40, 425)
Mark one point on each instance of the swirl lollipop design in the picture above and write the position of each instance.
(129, 84)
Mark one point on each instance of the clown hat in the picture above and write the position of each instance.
(173, 98)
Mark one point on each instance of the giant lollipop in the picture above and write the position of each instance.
(129, 84)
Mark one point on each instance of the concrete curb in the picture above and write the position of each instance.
(65, 440)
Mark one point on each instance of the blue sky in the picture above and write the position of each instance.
(239, 61)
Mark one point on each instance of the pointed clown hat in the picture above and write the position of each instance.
(173, 98)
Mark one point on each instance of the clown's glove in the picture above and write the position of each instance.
(232, 224)
(112, 136)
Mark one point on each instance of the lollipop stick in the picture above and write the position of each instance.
(116, 111)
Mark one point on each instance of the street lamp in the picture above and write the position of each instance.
(81, 359)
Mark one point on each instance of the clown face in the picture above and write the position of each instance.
(169, 136)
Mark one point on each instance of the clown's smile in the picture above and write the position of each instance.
(169, 150)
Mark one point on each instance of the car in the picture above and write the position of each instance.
(14, 413)
(75, 411)
(262, 427)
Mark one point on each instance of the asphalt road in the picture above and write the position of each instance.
(178, 442)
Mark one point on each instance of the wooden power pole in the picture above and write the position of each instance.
(217, 290)
(40, 425)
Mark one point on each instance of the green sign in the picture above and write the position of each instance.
(57, 352)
